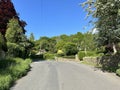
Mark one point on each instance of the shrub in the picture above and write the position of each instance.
(20, 68)
(5, 81)
(11, 69)
(60, 53)
(15, 50)
(118, 72)
(91, 53)
(81, 54)
(110, 62)
(49, 56)
(70, 48)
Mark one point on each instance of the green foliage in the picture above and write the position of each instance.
(20, 69)
(12, 69)
(70, 48)
(1, 40)
(118, 72)
(14, 31)
(45, 43)
(15, 50)
(60, 44)
(90, 53)
(88, 42)
(5, 81)
(3, 45)
(32, 38)
(17, 43)
(49, 56)
(60, 53)
(106, 14)
(110, 62)
(70, 45)
(81, 55)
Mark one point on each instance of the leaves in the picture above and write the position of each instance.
(14, 31)
(107, 16)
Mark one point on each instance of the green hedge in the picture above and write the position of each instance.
(49, 56)
(5, 82)
(11, 70)
(82, 54)
(118, 72)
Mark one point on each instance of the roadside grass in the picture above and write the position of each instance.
(12, 69)
(91, 64)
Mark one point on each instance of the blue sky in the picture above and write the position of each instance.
(52, 17)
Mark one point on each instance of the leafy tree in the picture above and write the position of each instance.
(15, 50)
(16, 40)
(60, 45)
(70, 48)
(52, 43)
(46, 43)
(88, 42)
(14, 31)
(64, 37)
(107, 14)
(32, 38)
(77, 39)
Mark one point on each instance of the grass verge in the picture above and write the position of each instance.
(12, 69)
(91, 64)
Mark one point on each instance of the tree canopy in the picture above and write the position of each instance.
(107, 20)
(7, 12)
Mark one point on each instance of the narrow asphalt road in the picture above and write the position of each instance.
(51, 75)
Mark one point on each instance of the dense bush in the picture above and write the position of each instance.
(91, 53)
(49, 56)
(60, 53)
(118, 72)
(15, 50)
(110, 62)
(70, 48)
(81, 54)
(11, 70)
(5, 81)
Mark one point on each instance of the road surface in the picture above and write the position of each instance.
(51, 75)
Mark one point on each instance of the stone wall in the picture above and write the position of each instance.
(65, 59)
